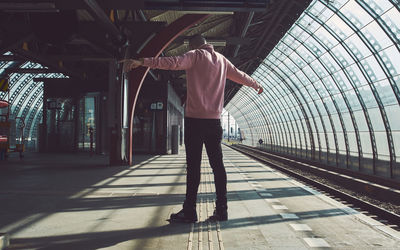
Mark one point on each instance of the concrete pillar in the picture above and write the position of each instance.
(43, 139)
(103, 111)
(4, 240)
(236, 136)
(175, 139)
(114, 116)
(229, 127)
(76, 123)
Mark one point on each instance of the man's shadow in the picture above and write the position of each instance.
(98, 240)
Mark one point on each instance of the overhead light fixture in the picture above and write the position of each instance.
(29, 7)
(220, 43)
(217, 43)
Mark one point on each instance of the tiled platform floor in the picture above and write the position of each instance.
(77, 202)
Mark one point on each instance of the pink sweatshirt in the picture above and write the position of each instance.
(206, 73)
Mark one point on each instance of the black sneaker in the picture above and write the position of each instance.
(181, 216)
(219, 215)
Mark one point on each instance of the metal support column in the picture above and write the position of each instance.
(114, 116)
(229, 128)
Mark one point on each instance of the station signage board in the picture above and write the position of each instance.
(3, 84)
(157, 106)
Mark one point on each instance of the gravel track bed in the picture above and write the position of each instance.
(362, 196)
(382, 204)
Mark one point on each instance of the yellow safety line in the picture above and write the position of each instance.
(220, 241)
(217, 225)
(200, 224)
(200, 239)
(209, 202)
(205, 205)
(219, 234)
(190, 240)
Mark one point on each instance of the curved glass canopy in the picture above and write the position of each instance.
(26, 96)
(331, 89)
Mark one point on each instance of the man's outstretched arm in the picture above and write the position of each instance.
(169, 63)
(240, 77)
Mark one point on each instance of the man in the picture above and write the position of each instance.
(206, 74)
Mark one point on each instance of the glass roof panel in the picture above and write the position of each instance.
(356, 66)
(23, 89)
(373, 69)
(391, 59)
(376, 36)
(327, 39)
(356, 14)
(379, 6)
(392, 20)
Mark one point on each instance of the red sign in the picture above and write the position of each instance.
(3, 104)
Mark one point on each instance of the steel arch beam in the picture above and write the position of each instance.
(389, 75)
(246, 99)
(323, 103)
(319, 95)
(396, 42)
(342, 94)
(259, 109)
(21, 85)
(349, 107)
(29, 107)
(283, 119)
(277, 121)
(396, 4)
(275, 99)
(288, 84)
(13, 80)
(298, 112)
(154, 49)
(373, 89)
(31, 117)
(290, 79)
(269, 98)
(35, 98)
(313, 101)
(26, 100)
(37, 118)
(303, 110)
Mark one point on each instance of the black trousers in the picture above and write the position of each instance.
(209, 133)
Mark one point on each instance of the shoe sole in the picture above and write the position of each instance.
(214, 218)
(182, 220)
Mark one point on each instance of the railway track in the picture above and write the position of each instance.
(366, 187)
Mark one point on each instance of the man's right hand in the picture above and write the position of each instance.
(130, 64)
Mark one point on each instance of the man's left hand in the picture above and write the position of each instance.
(260, 90)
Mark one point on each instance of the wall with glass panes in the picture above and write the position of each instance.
(26, 99)
(331, 89)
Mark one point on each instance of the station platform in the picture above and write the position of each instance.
(78, 202)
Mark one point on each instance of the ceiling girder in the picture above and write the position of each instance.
(100, 16)
(279, 14)
(52, 64)
(32, 71)
(244, 31)
(182, 5)
(8, 58)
